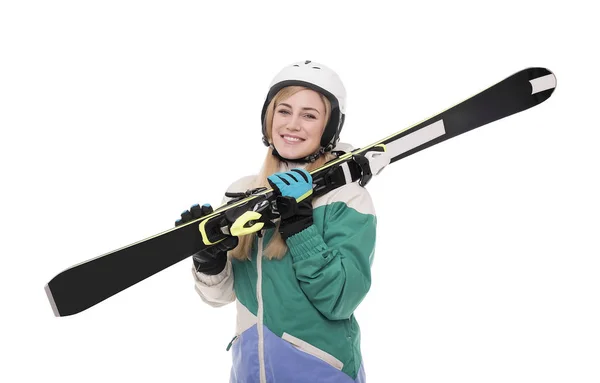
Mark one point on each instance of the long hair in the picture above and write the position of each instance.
(276, 247)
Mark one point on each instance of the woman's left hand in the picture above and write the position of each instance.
(294, 201)
(296, 183)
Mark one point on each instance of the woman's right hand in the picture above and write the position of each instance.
(212, 260)
(195, 212)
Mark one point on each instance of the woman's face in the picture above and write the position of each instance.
(298, 124)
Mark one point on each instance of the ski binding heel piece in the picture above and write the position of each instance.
(239, 220)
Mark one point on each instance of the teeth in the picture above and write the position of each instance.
(291, 138)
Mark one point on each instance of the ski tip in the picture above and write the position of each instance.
(51, 300)
(542, 80)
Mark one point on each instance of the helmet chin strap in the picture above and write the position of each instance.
(306, 159)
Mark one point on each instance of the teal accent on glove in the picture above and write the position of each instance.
(296, 183)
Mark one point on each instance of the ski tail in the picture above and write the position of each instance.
(88, 283)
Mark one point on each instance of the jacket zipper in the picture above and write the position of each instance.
(231, 343)
(261, 340)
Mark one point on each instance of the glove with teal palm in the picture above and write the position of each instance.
(294, 200)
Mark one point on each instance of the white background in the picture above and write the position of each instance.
(117, 115)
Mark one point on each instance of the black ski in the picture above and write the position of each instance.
(86, 284)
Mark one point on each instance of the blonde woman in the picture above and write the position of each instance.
(296, 287)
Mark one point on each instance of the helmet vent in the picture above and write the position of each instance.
(297, 66)
(316, 67)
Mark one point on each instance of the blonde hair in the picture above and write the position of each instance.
(276, 247)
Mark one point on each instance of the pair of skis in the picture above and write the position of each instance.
(89, 283)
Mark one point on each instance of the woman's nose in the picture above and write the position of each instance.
(294, 123)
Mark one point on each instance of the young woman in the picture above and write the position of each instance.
(296, 286)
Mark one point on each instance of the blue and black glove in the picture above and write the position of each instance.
(212, 260)
(294, 201)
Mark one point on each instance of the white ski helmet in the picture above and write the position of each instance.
(321, 79)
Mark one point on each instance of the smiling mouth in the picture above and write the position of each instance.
(292, 140)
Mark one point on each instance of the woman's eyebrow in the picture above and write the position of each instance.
(289, 106)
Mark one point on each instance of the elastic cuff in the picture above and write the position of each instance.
(306, 243)
(212, 280)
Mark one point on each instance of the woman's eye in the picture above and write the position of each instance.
(311, 116)
(283, 111)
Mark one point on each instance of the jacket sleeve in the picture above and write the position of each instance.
(334, 267)
(217, 290)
